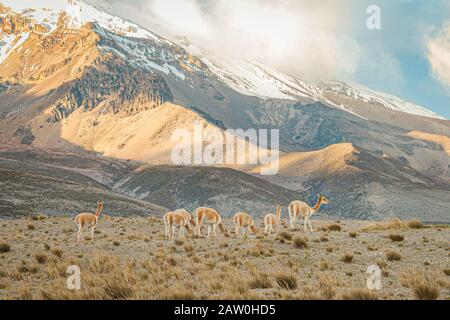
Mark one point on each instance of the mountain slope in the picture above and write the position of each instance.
(82, 80)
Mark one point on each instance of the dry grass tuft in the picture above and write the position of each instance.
(422, 286)
(347, 258)
(447, 272)
(393, 256)
(396, 237)
(41, 258)
(352, 234)
(300, 243)
(260, 281)
(4, 247)
(415, 224)
(286, 281)
(333, 227)
(285, 235)
(360, 294)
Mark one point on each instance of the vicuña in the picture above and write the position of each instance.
(211, 218)
(303, 210)
(272, 221)
(84, 219)
(244, 221)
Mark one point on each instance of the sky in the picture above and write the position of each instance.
(409, 56)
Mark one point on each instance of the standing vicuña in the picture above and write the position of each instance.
(173, 219)
(272, 221)
(243, 221)
(84, 219)
(303, 210)
(210, 217)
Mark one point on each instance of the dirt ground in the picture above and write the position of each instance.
(130, 259)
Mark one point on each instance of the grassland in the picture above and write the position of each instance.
(131, 260)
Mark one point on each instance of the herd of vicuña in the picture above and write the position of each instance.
(209, 217)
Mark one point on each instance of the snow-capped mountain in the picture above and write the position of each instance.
(246, 77)
(75, 78)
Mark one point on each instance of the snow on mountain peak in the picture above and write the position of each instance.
(248, 78)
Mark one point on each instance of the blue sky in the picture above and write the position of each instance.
(406, 27)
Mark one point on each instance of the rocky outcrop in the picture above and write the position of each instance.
(121, 89)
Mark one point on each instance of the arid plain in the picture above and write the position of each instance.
(130, 259)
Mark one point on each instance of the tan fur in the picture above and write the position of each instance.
(178, 218)
(88, 219)
(244, 221)
(299, 209)
(209, 217)
(272, 221)
(188, 217)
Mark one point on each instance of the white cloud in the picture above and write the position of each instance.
(438, 53)
(304, 38)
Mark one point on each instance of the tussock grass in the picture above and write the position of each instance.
(285, 235)
(393, 256)
(286, 281)
(423, 287)
(301, 243)
(396, 237)
(347, 258)
(260, 281)
(4, 247)
(360, 294)
(394, 224)
(333, 227)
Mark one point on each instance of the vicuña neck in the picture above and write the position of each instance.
(317, 206)
(278, 213)
(99, 210)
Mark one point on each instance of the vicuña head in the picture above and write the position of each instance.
(88, 219)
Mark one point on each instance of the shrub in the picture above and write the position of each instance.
(352, 234)
(31, 226)
(447, 272)
(116, 243)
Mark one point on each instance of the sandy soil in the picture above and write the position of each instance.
(131, 260)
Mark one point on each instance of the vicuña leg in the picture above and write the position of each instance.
(92, 233)
(310, 225)
(80, 232)
(209, 230)
(214, 230)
